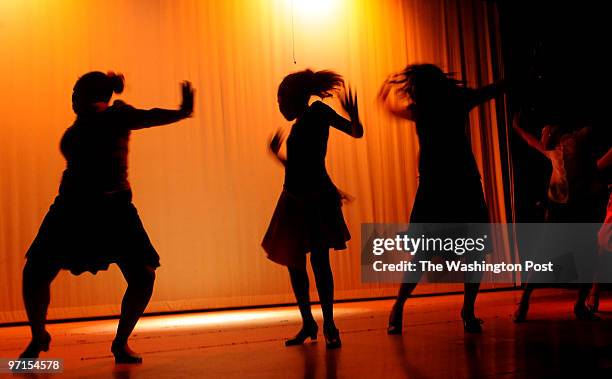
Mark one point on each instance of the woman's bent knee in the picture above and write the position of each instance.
(142, 276)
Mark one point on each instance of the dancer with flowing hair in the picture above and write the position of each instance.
(308, 216)
(92, 222)
(449, 189)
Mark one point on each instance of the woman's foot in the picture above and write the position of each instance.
(332, 337)
(123, 354)
(584, 313)
(309, 330)
(520, 314)
(395, 320)
(471, 323)
(37, 345)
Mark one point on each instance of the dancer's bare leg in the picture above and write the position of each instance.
(140, 280)
(36, 290)
(301, 285)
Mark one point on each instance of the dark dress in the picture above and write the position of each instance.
(92, 222)
(449, 195)
(449, 189)
(308, 215)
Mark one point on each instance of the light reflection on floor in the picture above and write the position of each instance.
(224, 319)
(249, 343)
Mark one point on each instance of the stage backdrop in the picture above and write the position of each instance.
(206, 187)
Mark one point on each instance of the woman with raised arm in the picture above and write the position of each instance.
(576, 193)
(449, 190)
(308, 216)
(92, 222)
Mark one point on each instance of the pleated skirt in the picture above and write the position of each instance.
(303, 223)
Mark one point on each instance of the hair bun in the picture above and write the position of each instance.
(117, 82)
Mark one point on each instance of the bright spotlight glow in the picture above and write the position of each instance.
(313, 8)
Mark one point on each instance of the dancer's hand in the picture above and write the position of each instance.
(345, 197)
(349, 103)
(276, 141)
(396, 103)
(187, 92)
(385, 90)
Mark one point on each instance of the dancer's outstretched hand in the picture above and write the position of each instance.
(349, 103)
(187, 92)
(276, 141)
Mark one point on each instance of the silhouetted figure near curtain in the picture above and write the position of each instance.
(92, 222)
(604, 236)
(575, 193)
(449, 189)
(308, 216)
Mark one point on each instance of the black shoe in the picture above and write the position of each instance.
(471, 324)
(124, 355)
(36, 346)
(395, 321)
(583, 313)
(309, 330)
(332, 338)
(520, 314)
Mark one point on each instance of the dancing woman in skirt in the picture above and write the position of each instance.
(308, 217)
(449, 188)
(92, 222)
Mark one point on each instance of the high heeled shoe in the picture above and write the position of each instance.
(520, 314)
(309, 330)
(124, 355)
(584, 313)
(471, 324)
(332, 338)
(395, 325)
(36, 346)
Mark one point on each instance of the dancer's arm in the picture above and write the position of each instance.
(141, 118)
(486, 93)
(353, 126)
(605, 161)
(393, 105)
(275, 145)
(530, 139)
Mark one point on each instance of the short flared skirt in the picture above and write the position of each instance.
(301, 224)
(90, 233)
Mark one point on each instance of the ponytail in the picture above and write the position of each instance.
(117, 82)
(299, 86)
(95, 87)
(323, 83)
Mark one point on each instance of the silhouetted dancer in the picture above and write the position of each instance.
(604, 236)
(575, 193)
(308, 216)
(449, 189)
(92, 222)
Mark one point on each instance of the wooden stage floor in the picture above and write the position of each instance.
(249, 343)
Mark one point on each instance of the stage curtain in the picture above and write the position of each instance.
(206, 187)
